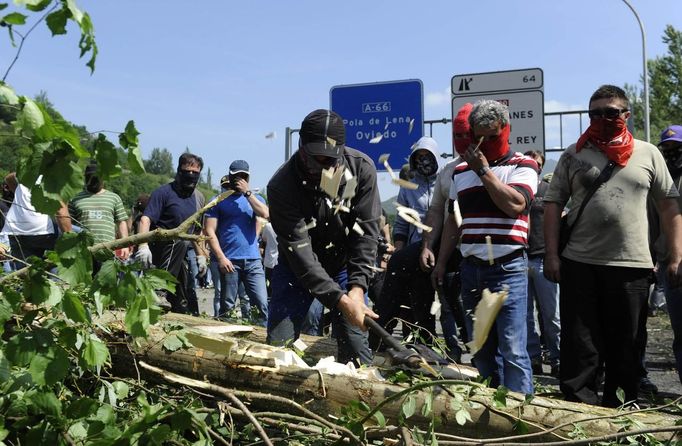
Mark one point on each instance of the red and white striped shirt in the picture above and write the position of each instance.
(480, 215)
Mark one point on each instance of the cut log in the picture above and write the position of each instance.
(246, 363)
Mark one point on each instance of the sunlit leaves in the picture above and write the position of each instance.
(7, 95)
(30, 118)
(409, 406)
(129, 141)
(56, 21)
(107, 158)
(73, 258)
(50, 368)
(73, 307)
(14, 18)
(95, 352)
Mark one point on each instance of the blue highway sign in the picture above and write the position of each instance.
(381, 117)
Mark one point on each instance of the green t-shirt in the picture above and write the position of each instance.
(98, 213)
(613, 229)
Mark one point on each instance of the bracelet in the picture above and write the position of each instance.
(248, 193)
(482, 171)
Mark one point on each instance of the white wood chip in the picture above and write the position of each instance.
(376, 139)
(330, 180)
(435, 306)
(409, 130)
(384, 157)
(331, 141)
(358, 229)
(302, 245)
(486, 313)
(489, 244)
(412, 216)
(404, 183)
(300, 345)
(310, 225)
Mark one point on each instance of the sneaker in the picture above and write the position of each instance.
(647, 387)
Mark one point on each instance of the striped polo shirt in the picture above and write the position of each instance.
(98, 213)
(480, 215)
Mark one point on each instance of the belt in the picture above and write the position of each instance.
(511, 256)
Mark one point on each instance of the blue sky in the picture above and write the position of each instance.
(217, 77)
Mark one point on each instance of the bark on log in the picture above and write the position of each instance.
(247, 368)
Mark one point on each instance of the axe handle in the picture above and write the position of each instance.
(385, 336)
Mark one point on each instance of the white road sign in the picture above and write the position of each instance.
(512, 80)
(526, 112)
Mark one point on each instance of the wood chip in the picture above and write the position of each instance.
(310, 225)
(376, 139)
(409, 130)
(489, 244)
(484, 317)
(330, 180)
(357, 228)
(404, 183)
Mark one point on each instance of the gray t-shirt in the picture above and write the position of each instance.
(613, 229)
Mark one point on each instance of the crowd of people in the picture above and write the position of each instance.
(575, 251)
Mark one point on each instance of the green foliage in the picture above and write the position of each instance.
(665, 89)
(160, 162)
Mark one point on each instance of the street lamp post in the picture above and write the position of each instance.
(644, 71)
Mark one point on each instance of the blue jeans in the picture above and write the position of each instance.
(215, 273)
(546, 294)
(673, 298)
(289, 307)
(508, 334)
(250, 273)
(193, 268)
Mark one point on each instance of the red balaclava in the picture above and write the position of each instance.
(461, 125)
(497, 148)
(611, 136)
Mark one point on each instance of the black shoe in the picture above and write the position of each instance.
(536, 365)
(556, 370)
(647, 387)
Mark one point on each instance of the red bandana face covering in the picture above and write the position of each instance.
(498, 147)
(611, 136)
(461, 126)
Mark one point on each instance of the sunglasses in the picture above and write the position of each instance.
(608, 112)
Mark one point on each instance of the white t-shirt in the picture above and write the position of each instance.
(22, 218)
(271, 254)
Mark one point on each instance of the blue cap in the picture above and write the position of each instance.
(239, 166)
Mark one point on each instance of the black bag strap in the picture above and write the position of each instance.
(601, 179)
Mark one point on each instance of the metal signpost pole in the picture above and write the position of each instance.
(645, 72)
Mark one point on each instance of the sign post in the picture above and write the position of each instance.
(520, 90)
(382, 117)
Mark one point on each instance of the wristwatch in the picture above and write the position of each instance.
(248, 193)
(482, 171)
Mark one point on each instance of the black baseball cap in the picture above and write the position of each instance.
(323, 133)
(239, 166)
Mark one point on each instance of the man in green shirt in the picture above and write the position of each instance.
(99, 211)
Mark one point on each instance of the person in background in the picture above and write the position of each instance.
(322, 254)
(494, 188)
(605, 270)
(540, 290)
(670, 145)
(232, 230)
(406, 285)
(100, 212)
(270, 253)
(30, 233)
(169, 206)
(5, 203)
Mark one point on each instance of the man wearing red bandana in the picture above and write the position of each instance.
(494, 187)
(605, 269)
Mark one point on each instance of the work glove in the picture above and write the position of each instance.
(202, 265)
(144, 256)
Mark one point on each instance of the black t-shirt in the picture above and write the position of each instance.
(536, 235)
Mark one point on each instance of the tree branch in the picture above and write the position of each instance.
(24, 37)
(250, 416)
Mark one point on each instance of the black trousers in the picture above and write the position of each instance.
(405, 284)
(25, 246)
(170, 255)
(601, 309)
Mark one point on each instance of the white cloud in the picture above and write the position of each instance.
(438, 98)
(556, 106)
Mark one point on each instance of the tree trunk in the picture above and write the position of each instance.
(245, 363)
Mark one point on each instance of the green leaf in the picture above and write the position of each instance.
(20, 349)
(122, 389)
(30, 117)
(500, 397)
(107, 158)
(3, 6)
(73, 307)
(409, 406)
(4, 367)
(56, 21)
(76, 13)
(14, 18)
(520, 427)
(461, 416)
(74, 261)
(95, 352)
(36, 5)
(620, 394)
(7, 95)
(47, 403)
(379, 417)
(51, 368)
(159, 434)
(82, 407)
(172, 343)
(129, 141)
(160, 279)
(78, 430)
(181, 421)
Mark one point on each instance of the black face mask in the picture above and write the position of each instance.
(186, 180)
(7, 195)
(94, 184)
(673, 159)
(311, 168)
